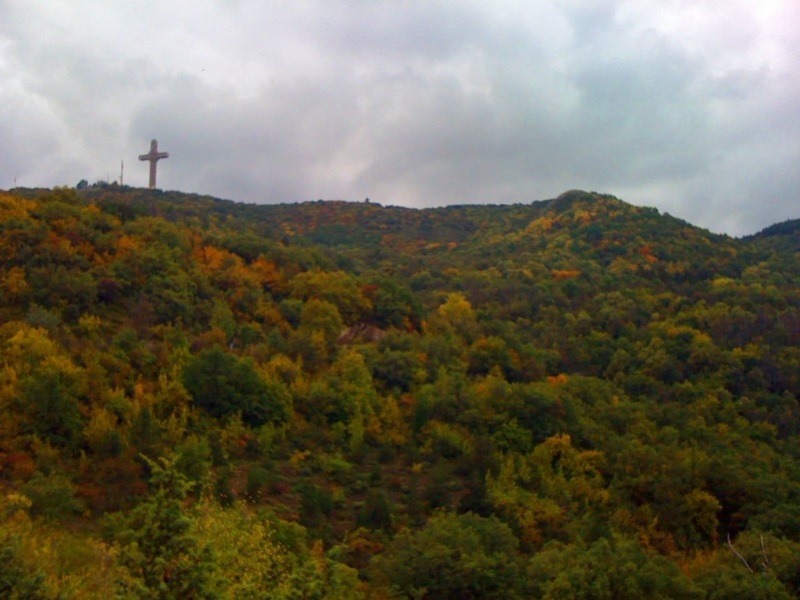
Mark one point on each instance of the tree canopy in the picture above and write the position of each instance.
(572, 398)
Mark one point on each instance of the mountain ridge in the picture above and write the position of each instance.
(560, 202)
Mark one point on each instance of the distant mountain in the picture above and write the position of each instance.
(783, 236)
(789, 227)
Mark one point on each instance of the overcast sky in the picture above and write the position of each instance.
(691, 106)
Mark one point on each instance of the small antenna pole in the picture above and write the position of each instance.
(121, 171)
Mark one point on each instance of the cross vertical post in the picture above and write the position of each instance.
(153, 156)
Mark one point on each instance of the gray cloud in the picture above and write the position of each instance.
(692, 109)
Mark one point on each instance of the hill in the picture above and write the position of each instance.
(556, 399)
(782, 237)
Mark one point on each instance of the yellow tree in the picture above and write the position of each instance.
(41, 386)
(554, 492)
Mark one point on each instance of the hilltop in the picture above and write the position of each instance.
(351, 400)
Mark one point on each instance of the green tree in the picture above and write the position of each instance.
(454, 557)
(157, 546)
(222, 384)
(393, 305)
(193, 460)
(334, 287)
(554, 492)
(50, 399)
(258, 560)
(376, 513)
(52, 496)
(18, 581)
(608, 568)
(754, 566)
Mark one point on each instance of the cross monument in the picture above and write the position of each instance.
(153, 156)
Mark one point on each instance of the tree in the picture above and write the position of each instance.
(393, 305)
(52, 406)
(454, 557)
(608, 568)
(754, 566)
(52, 496)
(335, 287)
(18, 581)
(163, 556)
(193, 460)
(457, 315)
(376, 513)
(48, 386)
(222, 384)
(554, 492)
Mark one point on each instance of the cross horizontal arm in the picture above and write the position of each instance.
(151, 156)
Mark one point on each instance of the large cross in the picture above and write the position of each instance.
(153, 156)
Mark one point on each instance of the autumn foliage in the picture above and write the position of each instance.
(561, 399)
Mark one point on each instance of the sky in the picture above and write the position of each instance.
(690, 106)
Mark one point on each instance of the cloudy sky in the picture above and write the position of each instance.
(691, 106)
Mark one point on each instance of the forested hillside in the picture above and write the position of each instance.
(574, 398)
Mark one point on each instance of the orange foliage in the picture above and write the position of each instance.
(267, 272)
(646, 252)
(209, 339)
(15, 283)
(211, 257)
(19, 465)
(12, 207)
(407, 401)
(564, 273)
(126, 244)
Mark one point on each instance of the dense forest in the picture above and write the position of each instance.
(573, 398)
